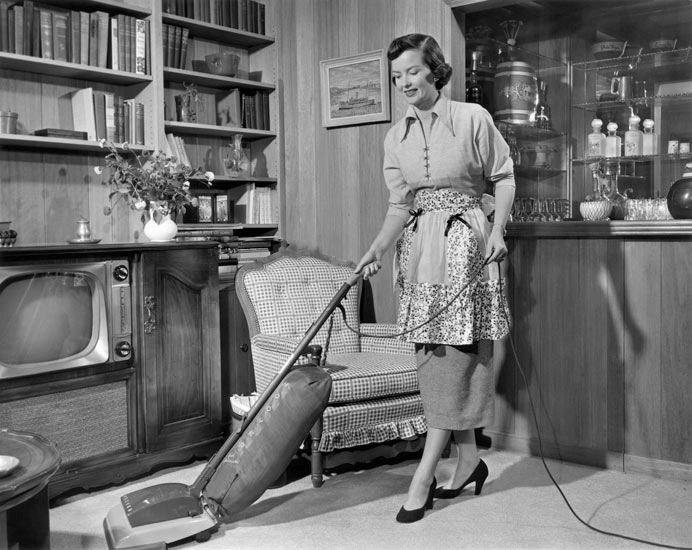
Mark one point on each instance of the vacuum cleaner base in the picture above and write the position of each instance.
(158, 515)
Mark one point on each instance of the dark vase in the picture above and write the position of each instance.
(680, 196)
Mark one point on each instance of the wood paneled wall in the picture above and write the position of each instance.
(335, 197)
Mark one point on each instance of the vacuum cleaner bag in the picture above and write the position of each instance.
(268, 444)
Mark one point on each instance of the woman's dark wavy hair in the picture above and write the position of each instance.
(432, 55)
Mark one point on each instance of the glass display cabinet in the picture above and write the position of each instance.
(549, 69)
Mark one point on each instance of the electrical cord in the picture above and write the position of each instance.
(476, 274)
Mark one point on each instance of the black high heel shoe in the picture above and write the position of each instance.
(409, 516)
(479, 475)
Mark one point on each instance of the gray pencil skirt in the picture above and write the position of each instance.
(457, 387)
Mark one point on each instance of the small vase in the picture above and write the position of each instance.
(161, 231)
(236, 164)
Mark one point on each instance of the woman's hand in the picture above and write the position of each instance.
(496, 249)
(370, 264)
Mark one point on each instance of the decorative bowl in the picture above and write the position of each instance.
(7, 464)
(608, 49)
(595, 210)
(223, 63)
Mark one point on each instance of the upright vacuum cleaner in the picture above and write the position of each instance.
(243, 468)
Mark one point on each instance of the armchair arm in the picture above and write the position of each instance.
(269, 354)
(380, 343)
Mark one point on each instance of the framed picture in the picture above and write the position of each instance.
(355, 89)
(205, 210)
(221, 209)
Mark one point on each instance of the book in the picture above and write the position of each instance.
(60, 35)
(84, 36)
(75, 35)
(18, 17)
(141, 37)
(102, 59)
(60, 132)
(83, 119)
(177, 40)
(46, 18)
(139, 124)
(129, 36)
(183, 47)
(119, 119)
(109, 105)
(4, 26)
(129, 122)
(99, 99)
(28, 31)
(93, 39)
(114, 46)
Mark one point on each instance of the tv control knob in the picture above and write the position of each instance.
(123, 349)
(121, 273)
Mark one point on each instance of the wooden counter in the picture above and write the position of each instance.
(602, 323)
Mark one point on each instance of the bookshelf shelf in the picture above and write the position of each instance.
(63, 69)
(210, 130)
(138, 8)
(49, 143)
(218, 32)
(214, 81)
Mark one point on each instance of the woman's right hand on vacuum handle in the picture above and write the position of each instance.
(370, 264)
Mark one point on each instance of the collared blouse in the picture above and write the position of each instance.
(462, 150)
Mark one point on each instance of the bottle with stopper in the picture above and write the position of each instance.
(596, 140)
(634, 137)
(613, 142)
(650, 140)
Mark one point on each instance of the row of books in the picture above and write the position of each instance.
(245, 15)
(175, 40)
(243, 109)
(176, 148)
(103, 115)
(119, 42)
(255, 204)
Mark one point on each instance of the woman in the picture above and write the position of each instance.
(437, 161)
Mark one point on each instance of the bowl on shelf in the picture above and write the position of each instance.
(597, 210)
(608, 49)
(222, 63)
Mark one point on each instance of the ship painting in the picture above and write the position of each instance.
(355, 102)
(354, 89)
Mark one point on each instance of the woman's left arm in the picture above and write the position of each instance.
(496, 249)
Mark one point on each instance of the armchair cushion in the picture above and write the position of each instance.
(364, 376)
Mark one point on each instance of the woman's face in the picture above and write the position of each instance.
(413, 78)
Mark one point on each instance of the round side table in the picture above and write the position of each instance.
(24, 515)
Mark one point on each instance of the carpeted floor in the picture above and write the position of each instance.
(519, 509)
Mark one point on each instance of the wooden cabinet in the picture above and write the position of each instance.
(180, 375)
(163, 403)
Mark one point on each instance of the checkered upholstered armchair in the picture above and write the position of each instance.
(375, 407)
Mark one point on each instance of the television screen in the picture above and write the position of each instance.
(46, 317)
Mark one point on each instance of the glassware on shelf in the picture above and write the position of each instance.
(596, 140)
(651, 143)
(540, 117)
(613, 141)
(634, 137)
(474, 91)
(510, 28)
(236, 163)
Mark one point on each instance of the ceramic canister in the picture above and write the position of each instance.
(515, 92)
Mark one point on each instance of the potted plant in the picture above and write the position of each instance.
(153, 182)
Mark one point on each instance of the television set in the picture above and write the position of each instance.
(59, 315)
